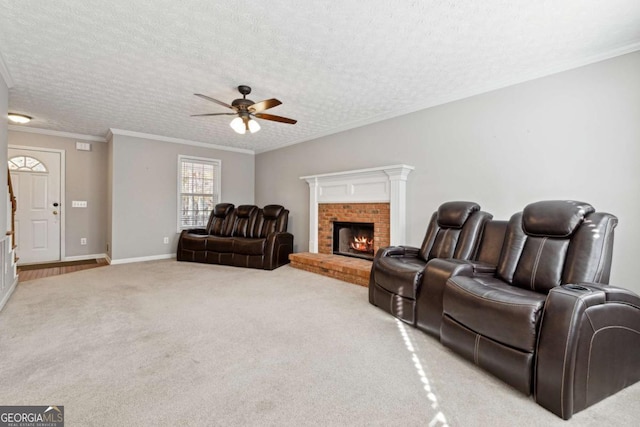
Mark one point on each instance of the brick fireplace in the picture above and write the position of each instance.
(376, 213)
(375, 195)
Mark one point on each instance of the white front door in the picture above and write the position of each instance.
(35, 176)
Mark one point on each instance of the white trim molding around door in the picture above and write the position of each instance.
(63, 168)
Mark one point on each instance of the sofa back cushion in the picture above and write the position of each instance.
(555, 242)
(271, 219)
(454, 231)
(218, 219)
(244, 221)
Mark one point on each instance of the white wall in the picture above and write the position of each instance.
(144, 192)
(572, 135)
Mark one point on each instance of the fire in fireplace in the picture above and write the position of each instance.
(353, 239)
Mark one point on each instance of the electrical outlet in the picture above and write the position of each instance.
(83, 240)
(166, 240)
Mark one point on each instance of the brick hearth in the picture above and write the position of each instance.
(352, 270)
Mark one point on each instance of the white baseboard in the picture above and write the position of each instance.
(141, 259)
(84, 257)
(8, 294)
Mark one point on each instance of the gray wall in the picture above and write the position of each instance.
(109, 197)
(86, 179)
(144, 191)
(572, 135)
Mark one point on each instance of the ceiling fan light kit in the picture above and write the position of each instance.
(19, 118)
(239, 126)
(254, 126)
(246, 110)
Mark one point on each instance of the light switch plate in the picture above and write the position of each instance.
(83, 146)
(79, 204)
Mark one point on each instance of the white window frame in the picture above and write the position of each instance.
(217, 190)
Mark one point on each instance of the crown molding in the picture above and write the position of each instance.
(555, 69)
(80, 136)
(172, 140)
(4, 72)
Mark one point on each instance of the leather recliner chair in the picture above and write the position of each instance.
(192, 244)
(543, 321)
(454, 231)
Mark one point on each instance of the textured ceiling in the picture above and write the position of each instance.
(85, 66)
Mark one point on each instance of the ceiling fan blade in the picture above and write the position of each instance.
(213, 114)
(276, 118)
(208, 98)
(264, 105)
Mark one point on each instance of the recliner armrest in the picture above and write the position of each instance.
(587, 349)
(612, 293)
(277, 249)
(436, 274)
(398, 251)
(480, 268)
(390, 251)
(200, 231)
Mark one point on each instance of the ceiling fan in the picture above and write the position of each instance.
(246, 109)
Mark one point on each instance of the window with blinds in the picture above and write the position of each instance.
(198, 190)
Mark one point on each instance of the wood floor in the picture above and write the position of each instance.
(38, 272)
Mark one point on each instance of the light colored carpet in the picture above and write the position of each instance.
(169, 343)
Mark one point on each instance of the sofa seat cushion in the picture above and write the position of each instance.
(495, 310)
(400, 275)
(220, 244)
(248, 246)
(194, 242)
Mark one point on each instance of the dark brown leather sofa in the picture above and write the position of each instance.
(396, 278)
(245, 236)
(534, 308)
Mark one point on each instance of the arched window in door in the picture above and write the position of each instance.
(26, 163)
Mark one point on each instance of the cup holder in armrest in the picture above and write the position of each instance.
(577, 288)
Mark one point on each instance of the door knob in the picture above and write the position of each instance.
(55, 212)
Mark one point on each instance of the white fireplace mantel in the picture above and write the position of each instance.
(373, 185)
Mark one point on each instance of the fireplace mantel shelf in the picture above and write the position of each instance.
(372, 185)
(388, 170)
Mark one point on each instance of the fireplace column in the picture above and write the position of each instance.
(398, 205)
(313, 214)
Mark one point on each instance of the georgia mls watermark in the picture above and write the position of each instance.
(31, 416)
